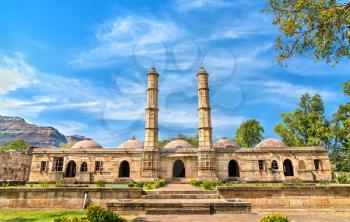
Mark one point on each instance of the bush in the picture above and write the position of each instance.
(342, 178)
(275, 217)
(98, 214)
(162, 182)
(208, 185)
(101, 183)
(148, 185)
(195, 182)
(44, 183)
(74, 219)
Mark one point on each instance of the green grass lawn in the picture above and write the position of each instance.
(35, 215)
(43, 215)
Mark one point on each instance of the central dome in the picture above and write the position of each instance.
(270, 143)
(225, 143)
(132, 143)
(86, 144)
(178, 144)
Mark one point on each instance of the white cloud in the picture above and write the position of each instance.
(14, 73)
(184, 5)
(138, 36)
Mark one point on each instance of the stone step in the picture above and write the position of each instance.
(215, 205)
(161, 192)
(178, 211)
(180, 196)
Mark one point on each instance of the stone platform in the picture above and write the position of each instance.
(188, 200)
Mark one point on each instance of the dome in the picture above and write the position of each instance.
(224, 143)
(270, 143)
(177, 143)
(132, 143)
(86, 144)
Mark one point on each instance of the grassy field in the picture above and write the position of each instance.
(34, 215)
(43, 215)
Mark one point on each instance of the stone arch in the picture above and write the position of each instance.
(124, 169)
(233, 169)
(71, 169)
(288, 168)
(179, 169)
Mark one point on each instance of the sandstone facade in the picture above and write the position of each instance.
(270, 161)
(14, 166)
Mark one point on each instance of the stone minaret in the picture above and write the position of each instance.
(206, 154)
(150, 154)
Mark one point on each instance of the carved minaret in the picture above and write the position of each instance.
(150, 154)
(206, 154)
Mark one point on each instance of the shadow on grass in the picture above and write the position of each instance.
(19, 219)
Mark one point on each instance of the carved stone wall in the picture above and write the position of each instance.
(14, 166)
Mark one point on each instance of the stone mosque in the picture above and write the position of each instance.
(133, 160)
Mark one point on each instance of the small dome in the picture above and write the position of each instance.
(225, 143)
(132, 143)
(270, 143)
(177, 143)
(86, 144)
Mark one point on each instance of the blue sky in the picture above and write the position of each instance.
(80, 66)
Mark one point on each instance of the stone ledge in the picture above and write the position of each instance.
(284, 188)
(68, 189)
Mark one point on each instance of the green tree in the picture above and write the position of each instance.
(319, 28)
(18, 145)
(249, 133)
(69, 144)
(306, 125)
(193, 140)
(340, 147)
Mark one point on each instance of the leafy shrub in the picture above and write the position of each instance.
(101, 183)
(148, 185)
(275, 217)
(74, 219)
(195, 182)
(98, 214)
(44, 183)
(208, 185)
(161, 182)
(342, 178)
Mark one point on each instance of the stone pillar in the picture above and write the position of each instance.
(206, 153)
(150, 154)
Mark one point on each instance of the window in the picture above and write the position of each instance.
(274, 165)
(261, 164)
(98, 166)
(302, 165)
(58, 164)
(317, 164)
(83, 167)
(43, 165)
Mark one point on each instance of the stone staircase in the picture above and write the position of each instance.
(163, 202)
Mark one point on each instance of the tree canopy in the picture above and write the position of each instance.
(249, 133)
(18, 145)
(318, 28)
(340, 147)
(306, 125)
(193, 140)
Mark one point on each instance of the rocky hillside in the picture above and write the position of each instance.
(17, 128)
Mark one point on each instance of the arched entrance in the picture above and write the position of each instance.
(71, 169)
(233, 169)
(124, 169)
(288, 168)
(179, 169)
